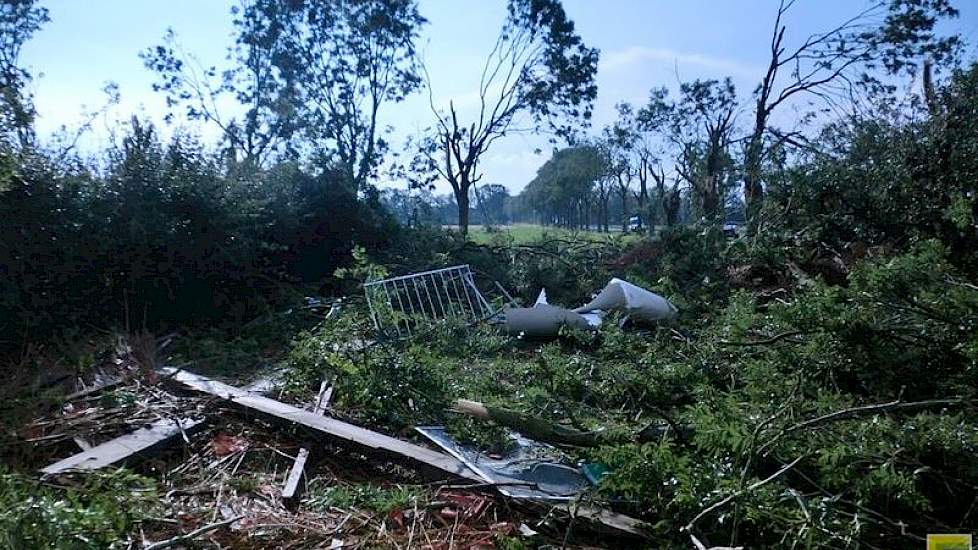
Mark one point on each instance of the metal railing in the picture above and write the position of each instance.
(399, 305)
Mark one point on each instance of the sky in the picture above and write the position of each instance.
(644, 44)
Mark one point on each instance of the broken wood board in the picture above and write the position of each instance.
(123, 447)
(338, 429)
(376, 441)
(614, 520)
(291, 487)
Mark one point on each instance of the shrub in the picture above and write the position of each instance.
(101, 512)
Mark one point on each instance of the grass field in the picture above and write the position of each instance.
(526, 232)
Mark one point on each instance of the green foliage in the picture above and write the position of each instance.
(891, 180)
(167, 237)
(19, 20)
(564, 184)
(101, 512)
(389, 387)
(740, 380)
(321, 497)
(337, 63)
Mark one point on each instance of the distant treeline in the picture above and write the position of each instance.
(493, 204)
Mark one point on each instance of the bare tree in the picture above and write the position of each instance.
(643, 135)
(818, 66)
(620, 142)
(539, 74)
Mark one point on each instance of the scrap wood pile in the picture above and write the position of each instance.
(226, 471)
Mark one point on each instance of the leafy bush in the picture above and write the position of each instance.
(167, 235)
(101, 512)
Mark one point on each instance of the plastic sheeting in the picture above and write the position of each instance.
(633, 300)
(545, 320)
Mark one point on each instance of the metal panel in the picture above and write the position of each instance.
(401, 305)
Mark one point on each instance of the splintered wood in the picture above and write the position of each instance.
(338, 429)
(379, 442)
(154, 434)
(291, 487)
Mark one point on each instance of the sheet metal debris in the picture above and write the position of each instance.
(530, 471)
(633, 300)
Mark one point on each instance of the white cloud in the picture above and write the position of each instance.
(634, 56)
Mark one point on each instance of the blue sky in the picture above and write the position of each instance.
(643, 43)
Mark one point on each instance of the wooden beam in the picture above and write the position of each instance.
(338, 429)
(614, 520)
(123, 447)
(291, 487)
(379, 442)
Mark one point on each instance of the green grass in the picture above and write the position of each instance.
(527, 232)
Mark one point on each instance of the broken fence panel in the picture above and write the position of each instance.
(399, 305)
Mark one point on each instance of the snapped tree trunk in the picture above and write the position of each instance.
(930, 96)
(547, 431)
(753, 190)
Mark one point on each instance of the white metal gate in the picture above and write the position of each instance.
(399, 305)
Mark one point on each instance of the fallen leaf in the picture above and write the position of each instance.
(224, 444)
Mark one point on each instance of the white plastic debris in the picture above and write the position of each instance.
(543, 319)
(633, 300)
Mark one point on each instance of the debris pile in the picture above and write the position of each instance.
(400, 305)
(237, 466)
(231, 465)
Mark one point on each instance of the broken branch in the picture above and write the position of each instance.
(169, 543)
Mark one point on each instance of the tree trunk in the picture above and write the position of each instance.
(548, 431)
(930, 96)
(463, 213)
(624, 210)
(753, 190)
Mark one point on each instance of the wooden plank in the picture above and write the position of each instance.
(291, 487)
(614, 520)
(377, 441)
(123, 447)
(336, 428)
(111, 383)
